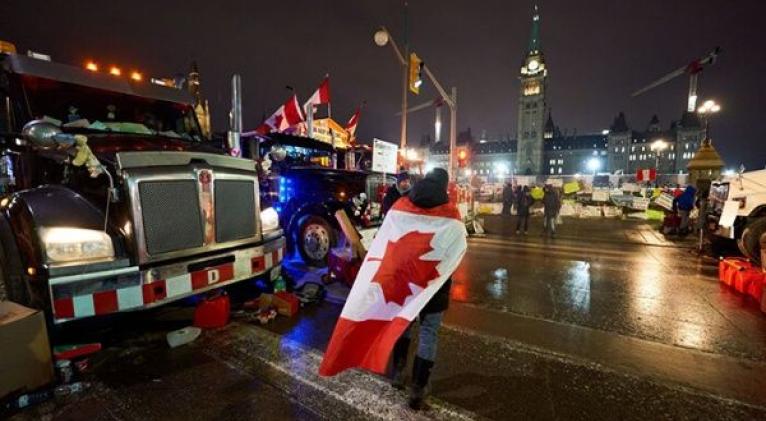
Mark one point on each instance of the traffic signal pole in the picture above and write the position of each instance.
(451, 101)
(405, 75)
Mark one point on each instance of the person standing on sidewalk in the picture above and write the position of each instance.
(507, 198)
(551, 207)
(523, 203)
(426, 194)
(394, 192)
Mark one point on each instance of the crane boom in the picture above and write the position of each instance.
(692, 69)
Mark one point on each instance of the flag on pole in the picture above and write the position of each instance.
(287, 115)
(320, 96)
(646, 174)
(413, 254)
(352, 123)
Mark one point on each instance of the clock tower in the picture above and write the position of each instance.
(531, 121)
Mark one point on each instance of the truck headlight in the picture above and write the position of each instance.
(76, 244)
(269, 219)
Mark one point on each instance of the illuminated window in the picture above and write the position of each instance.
(551, 170)
(686, 146)
(632, 148)
(561, 161)
(532, 88)
(560, 170)
(643, 149)
(623, 149)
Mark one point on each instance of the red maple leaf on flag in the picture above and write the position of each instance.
(401, 265)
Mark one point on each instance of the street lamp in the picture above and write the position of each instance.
(383, 37)
(706, 110)
(657, 147)
(593, 165)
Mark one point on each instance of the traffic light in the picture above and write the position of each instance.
(462, 157)
(416, 71)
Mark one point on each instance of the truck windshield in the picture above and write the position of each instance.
(81, 108)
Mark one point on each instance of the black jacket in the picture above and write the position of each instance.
(551, 203)
(431, 192)
(392, 195)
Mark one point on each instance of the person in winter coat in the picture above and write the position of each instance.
(551, 207)
(394, 192)
(523, 203)
(683, 204)
(429, 192)
(507, 198)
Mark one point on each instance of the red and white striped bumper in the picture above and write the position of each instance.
(94, 294)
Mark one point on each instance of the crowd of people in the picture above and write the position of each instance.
(519, 198)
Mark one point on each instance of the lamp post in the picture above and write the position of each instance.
(706, 110)
(657, 147)
(383, 37)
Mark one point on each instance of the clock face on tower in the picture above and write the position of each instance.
(533, 65)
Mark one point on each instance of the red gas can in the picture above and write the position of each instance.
(212, 312)
(732, 266)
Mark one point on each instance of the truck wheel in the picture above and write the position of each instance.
(750, 244)
(315, 239)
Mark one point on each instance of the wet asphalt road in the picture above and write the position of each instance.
(607, 321)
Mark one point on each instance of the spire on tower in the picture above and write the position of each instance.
(534, 36)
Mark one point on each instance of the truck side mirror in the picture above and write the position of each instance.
(46, 135)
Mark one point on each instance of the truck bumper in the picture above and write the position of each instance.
(132, 288)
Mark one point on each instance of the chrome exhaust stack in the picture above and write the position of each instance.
(235, 118)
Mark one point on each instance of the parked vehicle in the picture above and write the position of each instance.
(748, 190)
(112, 200)
(302, 185)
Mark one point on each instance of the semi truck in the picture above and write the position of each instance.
(298, 180)
(111, 197)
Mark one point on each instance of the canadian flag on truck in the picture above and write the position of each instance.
(353, 122)
(320, 96)
(413, 254)
(647, 174)
(286, 116)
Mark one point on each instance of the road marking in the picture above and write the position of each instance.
(366, 393)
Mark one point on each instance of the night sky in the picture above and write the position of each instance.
(597, 52)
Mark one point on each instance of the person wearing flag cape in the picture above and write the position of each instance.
(405, 276)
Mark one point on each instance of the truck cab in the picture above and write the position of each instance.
(112, 199)
(746, 194)
(299, 180)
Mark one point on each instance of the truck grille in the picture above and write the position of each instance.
(171, 215)
(234, 210)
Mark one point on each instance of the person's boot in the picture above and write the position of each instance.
(401, 348)
(421, 371)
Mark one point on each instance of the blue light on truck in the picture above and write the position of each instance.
(286, 189)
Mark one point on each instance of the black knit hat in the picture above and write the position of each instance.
(440, 176)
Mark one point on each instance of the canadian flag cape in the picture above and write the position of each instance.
(413, 254)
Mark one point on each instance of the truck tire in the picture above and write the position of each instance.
(749, 243)
(315, 239)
